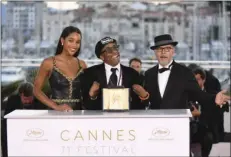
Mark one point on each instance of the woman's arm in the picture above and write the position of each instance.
(42, 75)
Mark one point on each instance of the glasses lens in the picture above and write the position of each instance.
(165, 49)
(111, 49)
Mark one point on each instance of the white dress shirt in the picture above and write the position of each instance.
(163, 78)
(118, 73)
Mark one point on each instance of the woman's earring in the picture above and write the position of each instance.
(62, 44)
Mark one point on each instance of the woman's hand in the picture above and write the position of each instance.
(63, 107)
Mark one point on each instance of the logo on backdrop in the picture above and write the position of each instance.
(160, 133)
(34, 134)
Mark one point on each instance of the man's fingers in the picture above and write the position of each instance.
(136, 89)
(95, 83)
(134, 86)
(223, 91)
(226, 97)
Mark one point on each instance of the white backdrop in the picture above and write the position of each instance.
(99, 137)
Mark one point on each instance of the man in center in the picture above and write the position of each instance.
(111, 73)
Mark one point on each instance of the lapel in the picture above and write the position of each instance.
(124, 76)
(155, 72)
(102, 76)
(173, 77)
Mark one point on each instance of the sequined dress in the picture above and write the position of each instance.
(66, 90)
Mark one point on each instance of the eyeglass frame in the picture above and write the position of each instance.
(166, 49)
(114, 48)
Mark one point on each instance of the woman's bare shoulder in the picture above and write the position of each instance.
(83, 64)
(47, 63)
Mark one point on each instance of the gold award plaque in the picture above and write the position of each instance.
(115, 98)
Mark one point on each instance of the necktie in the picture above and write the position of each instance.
(161, 70)
(113, 78)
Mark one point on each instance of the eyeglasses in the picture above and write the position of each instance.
(165, 49)
(111, 49)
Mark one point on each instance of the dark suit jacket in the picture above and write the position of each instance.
(98, 73)
(215, 118)
(14, 103)
(212, 83)
(181, 88)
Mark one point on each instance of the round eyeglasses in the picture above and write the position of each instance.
(164, 49)
(111, 49)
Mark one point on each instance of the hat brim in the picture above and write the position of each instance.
(174, 43)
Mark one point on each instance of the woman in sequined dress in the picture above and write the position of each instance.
(63, 71)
